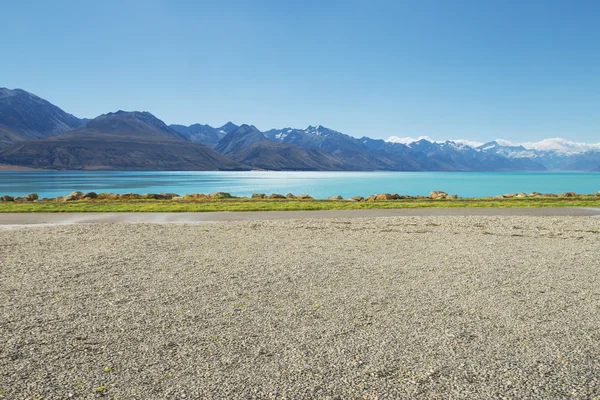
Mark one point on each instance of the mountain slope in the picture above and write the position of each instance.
(242, 137)
(121, 140)
(248, 145)
(24, 116)
(422, 155)
(452, 156)
(198, 133)
(124, 126)
(227, 128)
(352, 151)
(587, 161)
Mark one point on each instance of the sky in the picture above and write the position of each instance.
(460, 69)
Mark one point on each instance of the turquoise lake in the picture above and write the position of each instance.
(317, 184)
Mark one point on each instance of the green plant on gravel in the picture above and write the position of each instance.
(100, 389)
(107, 370)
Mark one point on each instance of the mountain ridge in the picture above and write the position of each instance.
(343, 146)
(25, 116)
(199, 133)
(120, 140)
(248, 145)
(32, 127)
(124, 125)
(564, 156)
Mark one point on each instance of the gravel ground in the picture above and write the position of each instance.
(364, 308)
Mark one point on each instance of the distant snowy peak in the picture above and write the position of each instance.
(312, 134)
(409, 140)
(320, 130)
(282, 135)
(468, 143)
(497, 147)
(558, 145)
(508, 148)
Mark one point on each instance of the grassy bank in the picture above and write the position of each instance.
(285, 205)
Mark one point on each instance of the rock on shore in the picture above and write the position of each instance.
(434, 195)
(438, 194)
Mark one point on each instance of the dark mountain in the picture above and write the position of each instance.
(248, 145)
(397, 151)
(205, 134)
(242, 137)
(121, 140)
(125, 126)
(24, 116)
(198, 133)
(352, 151)
(227, 128)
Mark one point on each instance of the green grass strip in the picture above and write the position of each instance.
(285, 205)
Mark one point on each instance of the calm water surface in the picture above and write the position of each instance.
(317, 184)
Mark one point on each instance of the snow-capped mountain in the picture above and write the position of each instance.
(409, 140)
(558, 145)
(343, 146)
(452, 156)
(555, 154)
(421, 154)
(249, 146)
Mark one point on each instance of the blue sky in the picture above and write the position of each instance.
(478, 70)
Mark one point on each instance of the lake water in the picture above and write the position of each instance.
(317, 184)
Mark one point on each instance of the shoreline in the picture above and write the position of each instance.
(8, 167)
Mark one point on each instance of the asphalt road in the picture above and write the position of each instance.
(182, 218)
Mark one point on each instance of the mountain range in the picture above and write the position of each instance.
(120, 140)
(35, 133)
